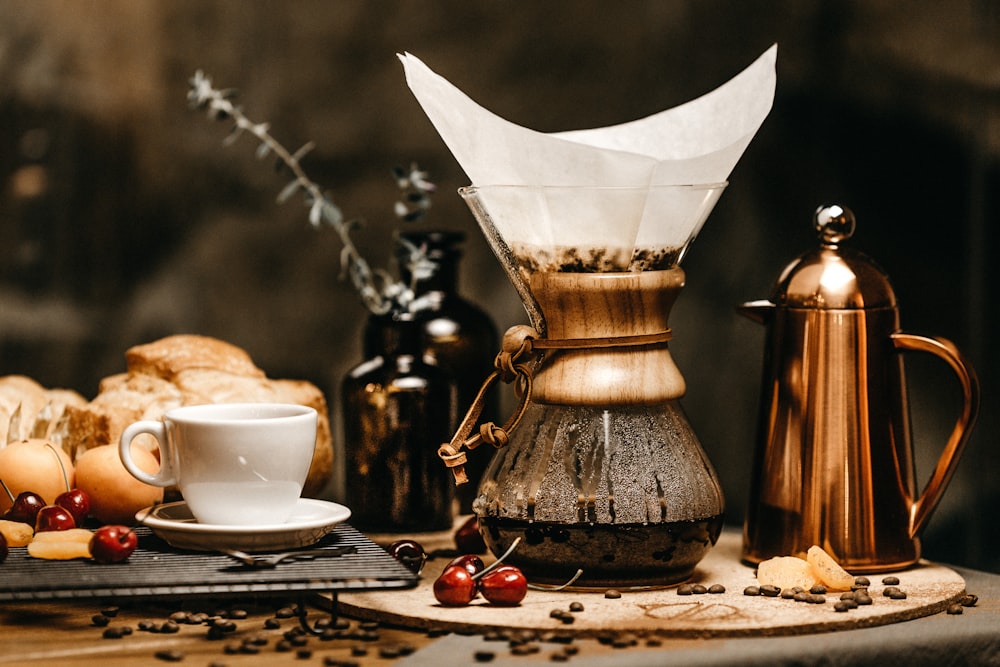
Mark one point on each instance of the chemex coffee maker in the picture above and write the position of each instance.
(834, 462)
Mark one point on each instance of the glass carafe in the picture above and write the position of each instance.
(602, 473)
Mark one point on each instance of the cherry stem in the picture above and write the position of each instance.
(495, 564)
(61, 466)
(7, 491)
(541, 587)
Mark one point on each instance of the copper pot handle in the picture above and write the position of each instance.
(921, 510)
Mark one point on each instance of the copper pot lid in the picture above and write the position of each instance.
(833, 276)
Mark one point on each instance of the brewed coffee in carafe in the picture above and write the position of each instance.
(603, 474)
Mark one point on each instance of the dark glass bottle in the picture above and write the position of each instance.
(397, 410)
(459, 337)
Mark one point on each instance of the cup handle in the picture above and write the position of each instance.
(944, 349)
(165, 476)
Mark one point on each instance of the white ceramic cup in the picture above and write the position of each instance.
(234, 463)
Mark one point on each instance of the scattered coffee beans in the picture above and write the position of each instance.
(169, 656)
(751, 590)
(612, 594)
(968, 600)
(890, 581)
(955, 609)
(716, 589)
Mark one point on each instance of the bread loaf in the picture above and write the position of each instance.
(191, 370)
(27, 409)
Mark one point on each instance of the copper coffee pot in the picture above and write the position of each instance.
(834, 463)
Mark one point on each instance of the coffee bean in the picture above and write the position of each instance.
(770, 590)
(388, 652)
(862, 598)
(284, 612)
(801, 596)
(968, 600)
(716, 589)
(699, 589)
(272, 623)
(576, 606)
(110, 612)
(787, 594)
(685, 589)
(847, 596)
(818, 589)
(305, 654)
(180, 616)
(283, 646)
(100, 620)
(893, 593)
(955, 609)
(842, 606)
(612, 594)
(890, 581)
(484, 656)
(559, 657)
(815, 598)
(751, 590)
(169, 656)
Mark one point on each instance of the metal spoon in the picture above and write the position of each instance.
(271, 560)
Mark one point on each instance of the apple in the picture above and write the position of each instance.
(34, 465)
(113, 543)
(115, 495)
(53, 517)
(76, 502)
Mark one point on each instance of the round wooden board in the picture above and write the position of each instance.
(929, 588)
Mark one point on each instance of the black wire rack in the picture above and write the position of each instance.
(157, 569)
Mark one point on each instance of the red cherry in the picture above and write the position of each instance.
(25, 508)
(409, 553)
(455, 587)
(76, 502)
(113, 544)
(505, 586)
(468, 539)
(53, 517)
(471, 562)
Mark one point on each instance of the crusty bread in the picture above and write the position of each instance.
(34, 410)
(191, 370)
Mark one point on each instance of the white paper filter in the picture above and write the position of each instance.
(658, 176)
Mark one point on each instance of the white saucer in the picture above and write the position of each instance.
(309, 523)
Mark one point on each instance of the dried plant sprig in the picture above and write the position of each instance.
(380, 292)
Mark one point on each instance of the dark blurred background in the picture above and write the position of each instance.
(123, 217)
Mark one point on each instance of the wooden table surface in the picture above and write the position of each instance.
(58, 633)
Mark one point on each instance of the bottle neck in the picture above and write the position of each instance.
(444, 279)
(389, 336)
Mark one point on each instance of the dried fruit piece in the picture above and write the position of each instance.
(50, 550)
(16, 533)
(81, 535)
(786, 572)
(828, 570)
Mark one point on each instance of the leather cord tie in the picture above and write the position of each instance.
(512, 364)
